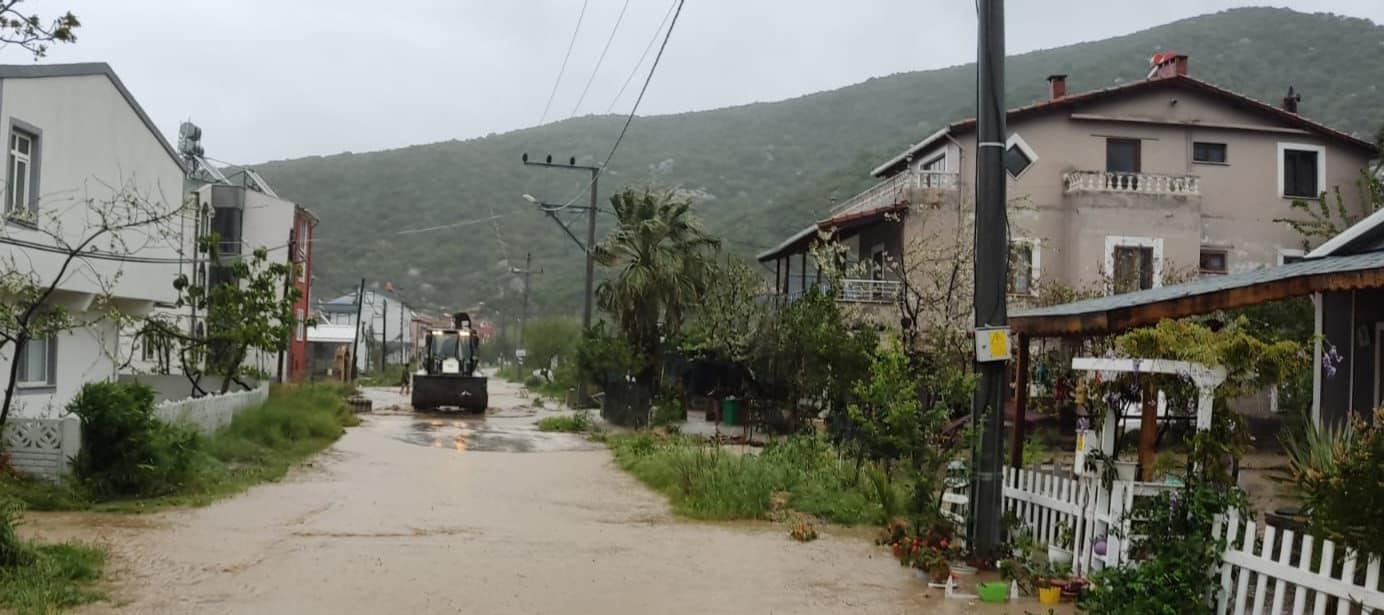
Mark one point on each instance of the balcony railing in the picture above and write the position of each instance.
(897, 189)
(1133, 183)
(869, 291)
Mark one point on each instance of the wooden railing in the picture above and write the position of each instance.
(1134, 183)
(896, 189)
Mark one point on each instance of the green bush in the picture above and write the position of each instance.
(533, 382)
(126, 451)
(574, 423)
(707, 482)
(1336, 475)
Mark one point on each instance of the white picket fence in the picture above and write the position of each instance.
(1288, 561)
(1277, 571)
(212, 412)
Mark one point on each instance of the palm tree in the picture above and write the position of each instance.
(661, 256)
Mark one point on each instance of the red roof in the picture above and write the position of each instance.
(1174, 81)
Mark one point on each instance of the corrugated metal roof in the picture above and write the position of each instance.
(1210, 284)
(773, 252)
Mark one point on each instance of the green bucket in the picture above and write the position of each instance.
(730, 412)
(997, 591)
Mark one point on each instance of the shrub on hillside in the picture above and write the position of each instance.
(126, 450)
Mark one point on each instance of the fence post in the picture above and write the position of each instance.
(71, 432)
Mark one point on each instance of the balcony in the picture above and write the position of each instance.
(906, 186)
(1132, 183)
(869, 291)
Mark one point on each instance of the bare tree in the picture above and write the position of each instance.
(117, 228)
(34, 33)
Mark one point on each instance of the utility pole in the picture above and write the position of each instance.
(355, 339)
(384, 334)
(590, 244)
(991, 271)
(528, 270)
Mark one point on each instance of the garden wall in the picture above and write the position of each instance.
(212, 412)
(170, 387)
(43, 448)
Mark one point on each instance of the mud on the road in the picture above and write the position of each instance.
(448, 514)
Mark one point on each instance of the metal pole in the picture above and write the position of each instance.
(590, 252)
(991, 250)
(355, 339)
(384, 334)
(524, 311)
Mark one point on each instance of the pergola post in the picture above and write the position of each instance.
(1016, 448)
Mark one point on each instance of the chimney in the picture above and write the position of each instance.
(1290, 102)
(1168, 64)
(1057, 86)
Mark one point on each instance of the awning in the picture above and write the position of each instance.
(328, 333)
(1118, 313)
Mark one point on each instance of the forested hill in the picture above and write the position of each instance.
(765, 169)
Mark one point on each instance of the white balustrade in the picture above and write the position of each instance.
(1134, 183)
(869, 291)
(896, 190)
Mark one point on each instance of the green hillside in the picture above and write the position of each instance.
(761, 170)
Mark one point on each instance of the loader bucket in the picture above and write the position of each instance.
(434, 392)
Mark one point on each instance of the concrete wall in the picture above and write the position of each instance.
(43, 448)
(175, 387)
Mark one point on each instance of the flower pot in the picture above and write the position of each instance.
(939, 574)
(1049, 595)
(959, 567)
(997, 591)
(1125, 470)
(1059, 555)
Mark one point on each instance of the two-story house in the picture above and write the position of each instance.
(385, 321)
(80, 154)
(1123, 188)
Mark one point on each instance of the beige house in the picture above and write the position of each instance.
(1162, 178)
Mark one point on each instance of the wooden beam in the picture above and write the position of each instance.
(1016, 448)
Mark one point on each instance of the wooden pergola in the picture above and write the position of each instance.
(1116, 314)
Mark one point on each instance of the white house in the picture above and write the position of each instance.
(78, 145)
(383, 316)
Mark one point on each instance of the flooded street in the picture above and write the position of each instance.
(448, 514)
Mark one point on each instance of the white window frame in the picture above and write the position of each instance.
(1321, 167)
(1224, 251)
(25, 380)
(939, 156)
(1283, 253)
(1035, 246)
(300, 327)
(1016, 140)
(1123, 241)
(17, 204)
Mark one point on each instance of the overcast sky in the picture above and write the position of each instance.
(271, 79)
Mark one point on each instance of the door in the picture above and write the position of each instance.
(1122, 156)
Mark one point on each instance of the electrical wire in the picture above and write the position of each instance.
(633, 110)
(600, 59)
(647, 48)
(563, 68)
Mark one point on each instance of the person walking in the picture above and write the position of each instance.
(406, 379)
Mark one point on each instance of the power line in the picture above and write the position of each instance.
(601, 59)
(635, 109)
(563, 68)
(647, 48)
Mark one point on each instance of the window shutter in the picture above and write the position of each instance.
(53, 360)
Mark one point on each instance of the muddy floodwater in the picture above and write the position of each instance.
(445, 513)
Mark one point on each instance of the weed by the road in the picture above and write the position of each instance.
(40, 578)
(708, 482)
(260, 445)
(574, 423)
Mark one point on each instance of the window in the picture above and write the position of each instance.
(1300, 170)
(226, 224)
(1021, 265)
(1214, 261)
(298, 314)
(19, 178)
(1211, 153)
(937, 164)
(37, 362)
(1122, 155)
(1133, 268)
(1018, 156)
(302, 246)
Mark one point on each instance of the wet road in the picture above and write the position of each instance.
(448, 514)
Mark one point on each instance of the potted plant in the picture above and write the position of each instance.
(1125, 469)
(933, 560)
(1060, 549)
(1075, 588)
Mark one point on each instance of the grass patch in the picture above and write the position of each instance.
(574, 423)
(708, 482)
(57, 576)
(260, 445)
